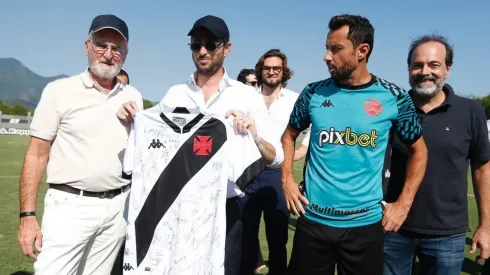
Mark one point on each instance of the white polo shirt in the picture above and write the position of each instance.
(234, 95)
(89, 141)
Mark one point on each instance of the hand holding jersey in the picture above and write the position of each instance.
(243, 124)
(127, 111)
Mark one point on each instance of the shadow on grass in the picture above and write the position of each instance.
(22, 273)
(472, 267)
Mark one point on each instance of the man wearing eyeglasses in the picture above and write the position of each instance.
(266, 194)
(212, 91)
(74, 127)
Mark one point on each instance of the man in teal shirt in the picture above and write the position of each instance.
(352, 115)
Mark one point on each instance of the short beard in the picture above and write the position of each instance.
(213, 69)
(217, 60)
(103, 71)
(271, 85)
(427, 90)
(343, 73)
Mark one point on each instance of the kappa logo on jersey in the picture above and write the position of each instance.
(156, 144)
(327, 103)
(127, 267)
(202, 145)
(373, 107)
(347, 137)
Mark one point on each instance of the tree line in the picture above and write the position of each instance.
(21, 110)
(485, 102)
(14, 109)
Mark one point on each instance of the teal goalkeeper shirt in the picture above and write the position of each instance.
(350, 130)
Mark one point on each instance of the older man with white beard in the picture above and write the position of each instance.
(455, 132)
(76, 129)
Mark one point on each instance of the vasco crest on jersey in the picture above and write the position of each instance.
(373, 107)
(203, 145)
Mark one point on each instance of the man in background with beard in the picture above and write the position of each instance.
(266, 194)
(455, 132)
(76, 133)
(211, 91)
(352, 115)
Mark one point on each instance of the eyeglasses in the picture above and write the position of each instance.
(101, 48)
(210, 46)
(252, 83)
(276, 69)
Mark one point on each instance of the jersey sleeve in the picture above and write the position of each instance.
(246, 162)
(407, 124)
(128, 161)
(300, 116)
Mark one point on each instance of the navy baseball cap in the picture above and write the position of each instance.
(109, 21)
(214, 25)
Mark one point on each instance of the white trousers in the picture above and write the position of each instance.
(81, 235)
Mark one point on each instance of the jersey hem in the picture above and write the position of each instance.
(346, 223)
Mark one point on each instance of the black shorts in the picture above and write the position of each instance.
(318, 248)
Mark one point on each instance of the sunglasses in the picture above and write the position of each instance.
(210, 46)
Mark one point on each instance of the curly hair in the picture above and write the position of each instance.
(286, 71)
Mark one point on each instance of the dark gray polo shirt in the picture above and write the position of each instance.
(456, 134)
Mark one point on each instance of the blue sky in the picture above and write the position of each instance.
(47, 36)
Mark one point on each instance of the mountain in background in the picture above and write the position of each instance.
(20, 85)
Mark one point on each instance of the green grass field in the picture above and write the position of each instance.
(12, 149)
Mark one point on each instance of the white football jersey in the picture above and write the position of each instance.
(181, 165)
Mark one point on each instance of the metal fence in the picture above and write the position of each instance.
(15, 125)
